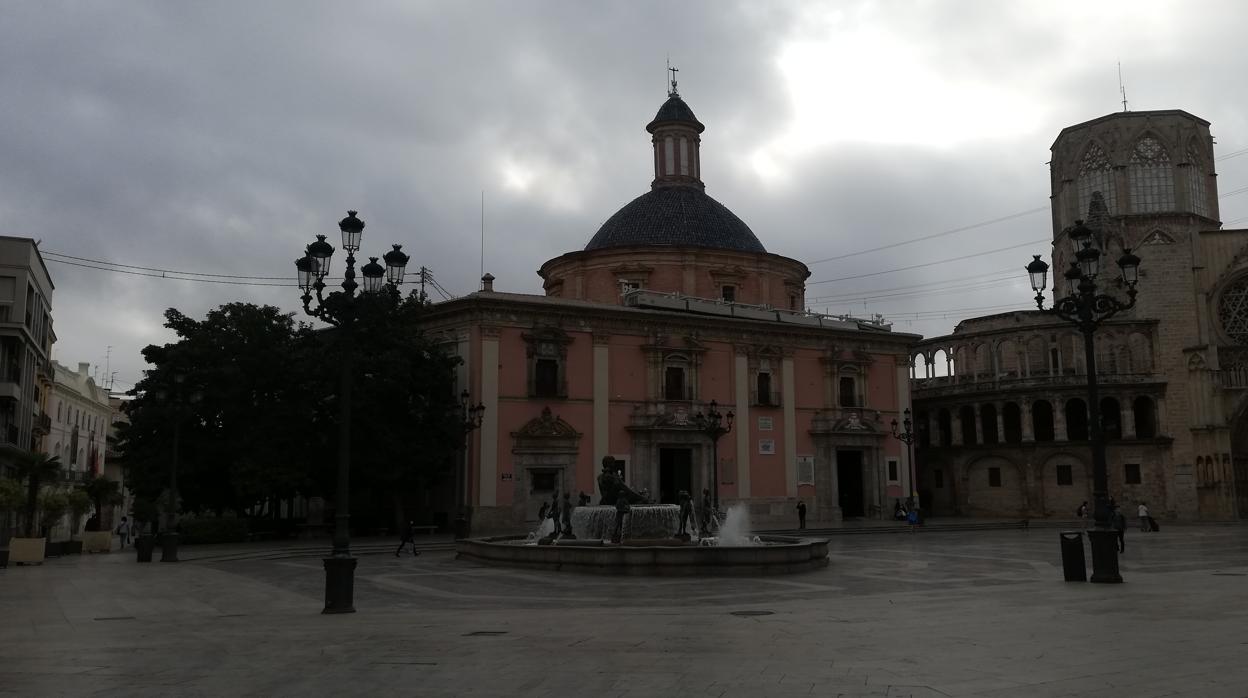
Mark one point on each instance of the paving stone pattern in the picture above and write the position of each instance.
(979, 613)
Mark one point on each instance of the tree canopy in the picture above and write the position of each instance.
(254, 397)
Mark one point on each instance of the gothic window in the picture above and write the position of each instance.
(1196, 182)
(1233, 310)
(547, 353)
(1076, 420)
(1150, 177)
(1096, 174)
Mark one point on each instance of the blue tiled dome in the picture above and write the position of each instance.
(677, 216)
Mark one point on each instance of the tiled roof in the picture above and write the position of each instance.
(675, 109)
(678, 216)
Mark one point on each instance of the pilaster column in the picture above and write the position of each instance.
(789, 384)
(979, 425)
(742, 384)
(602, 406)
(1029, 432)
(488, 433)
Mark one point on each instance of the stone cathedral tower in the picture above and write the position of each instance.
(1146, 181)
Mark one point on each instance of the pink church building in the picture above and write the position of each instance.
(675, 303)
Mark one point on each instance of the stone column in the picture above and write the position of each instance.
(1059, 419)
(955, 425)
(979, 425)
(1000, 422)
(1029, 432)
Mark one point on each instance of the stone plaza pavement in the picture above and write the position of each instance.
(982, 613)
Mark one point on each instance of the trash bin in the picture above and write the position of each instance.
(144, 545)
(462, 528)
(1073, 564)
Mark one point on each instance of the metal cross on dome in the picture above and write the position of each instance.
(672, 92)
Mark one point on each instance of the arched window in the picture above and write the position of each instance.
(944, 424)
(1150, 177)
(1111, 418)
(1012, 421)
(1042, 420)
(966, 416)
(988, 422)
(1076, 420)
(1196, 181)
(1096, 174)
(1145, 418)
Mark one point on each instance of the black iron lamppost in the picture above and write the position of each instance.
(1088, 309)
(341, 309)
(908, 437)
(470, 419)
(714, 425)
(177, 398)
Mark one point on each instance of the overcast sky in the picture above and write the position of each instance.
(219, 137)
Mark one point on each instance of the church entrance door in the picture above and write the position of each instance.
(849, 484)
(675, 474)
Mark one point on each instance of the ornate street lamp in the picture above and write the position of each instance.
(714, 425)
(340, 309)
(1087, 309)
(908, 438)
(470, 417)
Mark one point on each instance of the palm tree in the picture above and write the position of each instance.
(34, 468)
(102, 491)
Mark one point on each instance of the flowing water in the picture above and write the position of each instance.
(653, 522)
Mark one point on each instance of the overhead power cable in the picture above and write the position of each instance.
(932, 236)
(930, 264)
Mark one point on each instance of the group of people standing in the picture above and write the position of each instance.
(1118, 520)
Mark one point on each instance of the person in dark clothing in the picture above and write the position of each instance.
(801, 514)
(686, 512)
(409, 536)
(1119, 523)
(584, 500)
(553, 513)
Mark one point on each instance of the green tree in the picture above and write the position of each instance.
(102, 492)
(79, 503)
(52, 506)
(35, 469)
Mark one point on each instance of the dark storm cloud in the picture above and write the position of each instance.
(219, 137)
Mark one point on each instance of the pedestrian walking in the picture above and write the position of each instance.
(801, 515)
(1146, 521)
(706, 513)
(123, 531)
(1118, 522)
(408, 536)
(1082, 513)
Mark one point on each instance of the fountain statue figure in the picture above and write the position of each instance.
(612, 487)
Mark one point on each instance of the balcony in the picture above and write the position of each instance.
(766, 398)
(42, 424)
(1232, 378)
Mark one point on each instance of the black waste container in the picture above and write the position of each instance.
(144, 545)
(462, 528)
(1073, 564)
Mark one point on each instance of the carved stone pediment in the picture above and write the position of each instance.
(547, 426)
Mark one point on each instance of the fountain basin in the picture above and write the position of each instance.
(774, 555)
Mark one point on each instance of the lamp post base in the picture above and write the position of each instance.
(339, 585)
(1104, 556)
(169, 547)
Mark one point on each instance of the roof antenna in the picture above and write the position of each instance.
(1122, 88)
(672, 92)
